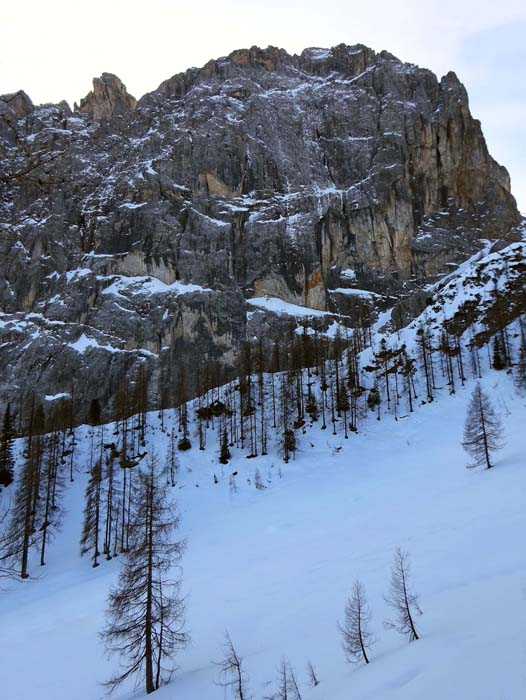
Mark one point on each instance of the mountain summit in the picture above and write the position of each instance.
(340, 180)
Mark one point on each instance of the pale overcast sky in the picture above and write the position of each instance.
(53, 48)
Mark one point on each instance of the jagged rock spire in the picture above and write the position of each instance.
(109, 98)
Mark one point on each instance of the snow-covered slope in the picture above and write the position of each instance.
(274, 566)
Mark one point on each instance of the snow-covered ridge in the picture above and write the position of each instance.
(476, 286)
(465, 301)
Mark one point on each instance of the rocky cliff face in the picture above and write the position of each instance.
(135, 231)
(109, 98)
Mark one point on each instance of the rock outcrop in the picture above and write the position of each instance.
(135, 232)
(14, 106)
(108, 98)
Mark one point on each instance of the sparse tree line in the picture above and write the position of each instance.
(311, 379)
(307, 378)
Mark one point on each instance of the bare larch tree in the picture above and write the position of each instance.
(232, 672)
(146, 611)
(483, 432)
(401, 599)
(287, 684)
(356, 636)
(312, 675)
(89, 541)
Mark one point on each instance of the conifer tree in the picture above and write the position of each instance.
(35, 450)
(475, 359)
(21, 531)
(383, 358)
(353, 379)
(447, 354)
(89, 541)
(289, 436)
(224, 454)
(52, 483)
(294, 690)
(145, 617)
(408, 371)
(231, 668)
(282, 692)
(401, 599)
(322, 355)
(520, 367)
(140, 404)
(181, 399)
(164, 395)
(312, 675)
(289, 444)
(63, 423)
(201, 429)
(455, 329)
(499, 356)
(311, 405)
(94, 412)
(424, 344)
(261, 397)
(110, 504)
(373, 398)
(246, 395)
(497, 319)
(483, 431)
(356, 636)
(288, 688)
(94, 417)
(172, 461)
(332, 402)
(184, 443)
(6, 450)
(7, 564)
(275, 367)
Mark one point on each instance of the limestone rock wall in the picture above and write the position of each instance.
(143, 226)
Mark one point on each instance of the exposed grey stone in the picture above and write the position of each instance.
(259, 174)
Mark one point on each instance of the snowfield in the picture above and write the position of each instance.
(274, 567)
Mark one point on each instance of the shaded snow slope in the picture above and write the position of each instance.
(274, 566)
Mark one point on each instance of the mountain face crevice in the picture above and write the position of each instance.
(141, 227)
